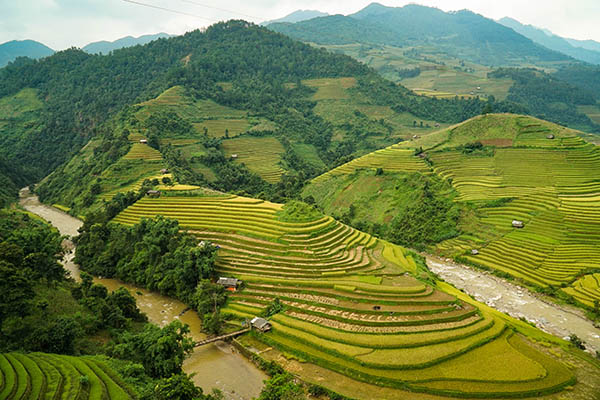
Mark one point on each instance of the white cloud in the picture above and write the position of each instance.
(65, 23)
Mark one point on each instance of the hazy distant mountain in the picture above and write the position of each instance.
(297, 16)
(22, 48)
(554, 42)
(105, 47)
(461, 34)
(585, 44)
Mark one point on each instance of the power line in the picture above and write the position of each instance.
(220, 9)
(169, 10)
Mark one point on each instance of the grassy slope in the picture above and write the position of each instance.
(551, 184)
(329, 277)
(337, 103)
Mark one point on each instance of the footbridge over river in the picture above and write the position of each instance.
(222, 337)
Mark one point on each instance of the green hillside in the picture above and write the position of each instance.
(480, 176)
(356, 304)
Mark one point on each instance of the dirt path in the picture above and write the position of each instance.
(517, 301)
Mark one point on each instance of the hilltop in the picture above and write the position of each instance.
(9, 51)
(458, 190)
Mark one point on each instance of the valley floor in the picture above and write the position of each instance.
(517, 301)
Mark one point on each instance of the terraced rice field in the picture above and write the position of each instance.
(140, 151)
(217, 127)
(556, 193)
(351, 306)
(50, 376)
(551, 184)
(262, 155)
(586, 289)
(391, 159)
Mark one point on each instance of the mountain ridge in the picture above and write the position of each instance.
(552, 41)
(10, 50)
(104, 46)
(297, 16)
(462, 34)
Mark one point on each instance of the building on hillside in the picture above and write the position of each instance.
(164, 171)
(518, 224)
(474, 252)
(143, 141)
(153, 193)
(261, 324)
(234, 156)
(551, 136)
(231, 284)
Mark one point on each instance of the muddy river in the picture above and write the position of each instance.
(517, 301)
(216, 365)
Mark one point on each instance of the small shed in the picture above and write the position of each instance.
(143, 141)
(164, 171)
(518, 224)
(551, 136)
(153, 193)
(437, 125)
(229, 283)
(261, 324)
(234, 156)
(474, 252)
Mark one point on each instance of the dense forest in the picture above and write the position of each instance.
(584, 76)
(42, 310)
(548, 97)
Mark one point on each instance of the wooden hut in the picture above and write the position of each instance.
(143, 141)
(261, 324)
(153, 193)
(518, 224)
(230, 284)
(164, 171)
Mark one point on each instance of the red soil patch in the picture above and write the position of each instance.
(497, 142)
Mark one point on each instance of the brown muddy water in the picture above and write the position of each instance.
(216, 365)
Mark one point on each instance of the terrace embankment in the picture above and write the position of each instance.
(215, 365)
(517, 301)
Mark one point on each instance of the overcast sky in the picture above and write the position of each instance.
(64, 23)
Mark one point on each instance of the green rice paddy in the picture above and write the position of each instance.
(51, 376)
(352, 303)
(262, 155)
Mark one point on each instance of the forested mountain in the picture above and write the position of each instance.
(552, 41)
(461, 34)
(104, 47)
(297, 16)
(235, 64)
(548, 97)
(9, 51)
(583, 76)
